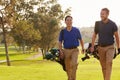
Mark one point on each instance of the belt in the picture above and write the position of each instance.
(104, 45)
(71, 48)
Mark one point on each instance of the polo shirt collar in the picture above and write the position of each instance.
(70, 30)
(105, 23)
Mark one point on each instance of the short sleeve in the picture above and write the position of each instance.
(79, 34)
(96, 28)
(115, 28)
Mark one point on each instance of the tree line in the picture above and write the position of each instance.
(31, 23)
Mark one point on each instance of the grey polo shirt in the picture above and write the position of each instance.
(105, 32)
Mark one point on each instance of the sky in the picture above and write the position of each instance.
(86, 12)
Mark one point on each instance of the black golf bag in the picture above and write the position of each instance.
(54, 55)
(95, 54)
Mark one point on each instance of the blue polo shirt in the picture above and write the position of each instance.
(70, 38)
(105, 32)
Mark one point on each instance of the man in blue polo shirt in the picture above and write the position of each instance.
(70, 38)
(106, 30)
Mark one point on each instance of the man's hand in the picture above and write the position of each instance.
(82, 51)
(61, 54)
(92, 49)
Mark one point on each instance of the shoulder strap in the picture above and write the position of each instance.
(62, 32)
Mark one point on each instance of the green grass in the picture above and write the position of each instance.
(14, 54)
(22, 69)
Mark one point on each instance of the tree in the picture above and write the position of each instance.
(20, 14)
(47, 20)
(24, 34)
(5, 21)
(23, 12)
(24, 9)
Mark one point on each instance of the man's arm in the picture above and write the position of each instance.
(60, 45)
(93, 41)
(117, 39)
(60, 48)
(82, 45)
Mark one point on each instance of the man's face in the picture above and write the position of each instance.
(104, 15)
(68, 22)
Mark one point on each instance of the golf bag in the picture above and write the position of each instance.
(95, 54)
(54, 55)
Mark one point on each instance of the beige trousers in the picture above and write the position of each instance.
(71, 62)
(106, 55)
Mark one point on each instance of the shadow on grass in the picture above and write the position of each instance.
(26, 62)
(2, 55)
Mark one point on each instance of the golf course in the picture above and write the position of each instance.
(33, 33)
(24, 67)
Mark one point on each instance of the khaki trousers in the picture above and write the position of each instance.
(106, 55)
(71, 62)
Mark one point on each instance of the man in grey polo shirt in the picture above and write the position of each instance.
(106, 30)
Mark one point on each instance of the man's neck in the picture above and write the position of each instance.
(69, 28)
(106, 21)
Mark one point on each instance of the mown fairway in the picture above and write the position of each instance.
(38, 69)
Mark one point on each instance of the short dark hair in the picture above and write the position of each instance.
(67, 17)
(106, 9)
